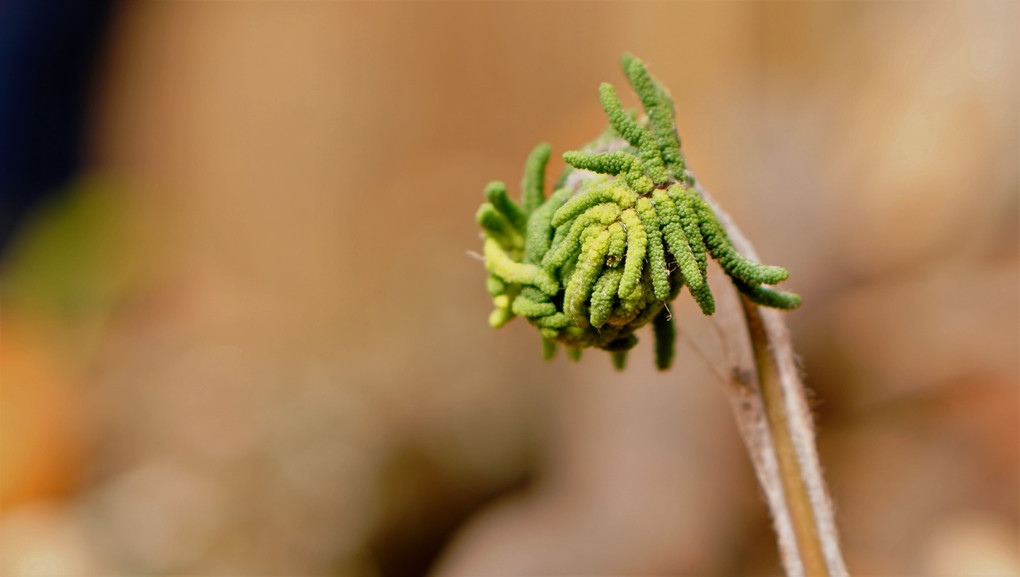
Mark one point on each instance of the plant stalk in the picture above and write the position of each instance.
(775, 422)
(795, 493)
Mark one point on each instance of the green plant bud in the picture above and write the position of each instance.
(591, 264)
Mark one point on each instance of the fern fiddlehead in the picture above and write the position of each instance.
(624, 232)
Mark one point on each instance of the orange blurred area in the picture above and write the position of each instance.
(249, 339)
(41, 444)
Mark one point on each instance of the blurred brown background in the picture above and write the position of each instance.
(249, 339)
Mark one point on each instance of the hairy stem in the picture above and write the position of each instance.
(805, 529)
(774, 420)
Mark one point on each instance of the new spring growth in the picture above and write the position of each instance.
(605, 254)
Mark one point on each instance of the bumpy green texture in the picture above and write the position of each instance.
(623, 234)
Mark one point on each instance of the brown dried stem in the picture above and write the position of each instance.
(774, 420)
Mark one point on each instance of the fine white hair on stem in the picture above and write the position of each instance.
(774, 420)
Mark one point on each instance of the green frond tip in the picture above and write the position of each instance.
(619, 360)
(600, 215)
(611, 163)
(656, 255)
(492, 221)
(617, 244)
(677, 240)
(573, 354)
(661, 116)
(495, 192)
(602, 297)
(528, 308)
(640, 138)
(622, 164)
(767, 297)
(494, 286)
(706, 302)
(665, 339)
(636, 245)
(499, 317)
(625, 60)
(611, 192)
(621, 122)
(689, 220)
(579, 288)
(540, 231)
(721, 249)
(554, 321)
(509, 271)
(533, 183)
(548, 349)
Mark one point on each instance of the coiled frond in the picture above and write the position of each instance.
(604, 254)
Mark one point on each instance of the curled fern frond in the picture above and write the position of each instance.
(626, 230)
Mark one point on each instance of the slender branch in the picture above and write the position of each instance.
(774, 420)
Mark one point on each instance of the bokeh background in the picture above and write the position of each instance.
(242, 333)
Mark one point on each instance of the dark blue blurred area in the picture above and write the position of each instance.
(49, 50)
